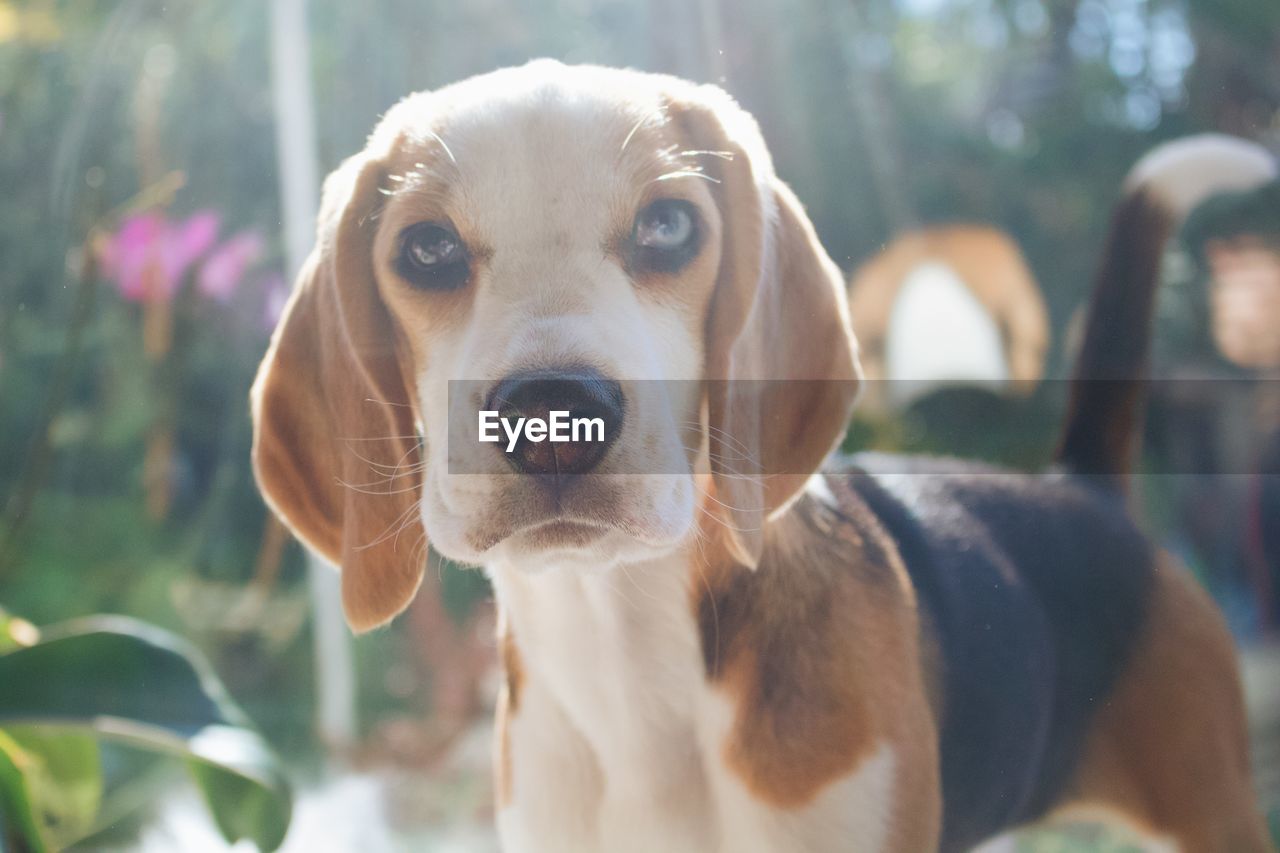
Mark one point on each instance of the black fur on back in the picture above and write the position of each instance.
(1033, 590)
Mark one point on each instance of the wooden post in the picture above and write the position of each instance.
(298, 167)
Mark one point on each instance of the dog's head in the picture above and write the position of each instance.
(602, 242)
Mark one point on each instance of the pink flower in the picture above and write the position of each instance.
(275, 292)
(224, 269)
(129, 254)
(190, 240)
(149, 256)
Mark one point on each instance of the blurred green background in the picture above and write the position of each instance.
(124, 432)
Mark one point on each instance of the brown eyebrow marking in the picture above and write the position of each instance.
(423, 186)
(411, 179)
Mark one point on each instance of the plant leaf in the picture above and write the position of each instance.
(121, 679)
(19, 824)
(65, 781)
(15, 632)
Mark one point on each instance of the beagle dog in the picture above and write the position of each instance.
(710, 642)
(954, 267)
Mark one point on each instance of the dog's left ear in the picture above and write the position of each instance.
(781, 363)
(334, 441)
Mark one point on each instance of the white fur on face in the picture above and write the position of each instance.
(542, 174)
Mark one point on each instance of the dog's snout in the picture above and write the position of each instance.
(570, 418)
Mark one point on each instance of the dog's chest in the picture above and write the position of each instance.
(616, 739)
(606, 736)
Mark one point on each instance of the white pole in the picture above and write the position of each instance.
(296, 162)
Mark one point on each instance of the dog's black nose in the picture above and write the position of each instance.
(570, 417)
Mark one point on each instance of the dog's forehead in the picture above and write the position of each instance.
(566, 142)
(559, 154)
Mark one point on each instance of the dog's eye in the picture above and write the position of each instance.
(432, 257)
(666, 224)
(665, 235)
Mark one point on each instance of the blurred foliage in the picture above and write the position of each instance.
(1082, 838)
(883, 114)
(119, 680)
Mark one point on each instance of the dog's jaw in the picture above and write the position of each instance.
(613, 523)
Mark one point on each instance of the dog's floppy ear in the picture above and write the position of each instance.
(782, 364)
(334, 443)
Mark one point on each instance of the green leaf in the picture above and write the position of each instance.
(15, 632)
(120, 679)
(256, 814)
(65, 780)
(19, 824)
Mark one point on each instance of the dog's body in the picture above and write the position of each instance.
(733, 653)
(634, 722)
(1073, 667)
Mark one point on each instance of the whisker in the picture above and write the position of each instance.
(724, 522)
(388, 402)
(636, 128)
(419, 554)
(382, 468)
(365, 489)
(699, 564)
(646, 593)
(443, 145)
(399, 523)
(613, 587)
(387, 473)
(685, 173)
(726, 463)
(413, 448)
(395, 544)
(439, 561)
(723, 155)
(726, 438)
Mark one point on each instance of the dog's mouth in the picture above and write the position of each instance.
(558, 533)
(604, 522)
(530, 532)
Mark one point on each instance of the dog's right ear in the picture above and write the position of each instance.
(335, 448)
(781, 361)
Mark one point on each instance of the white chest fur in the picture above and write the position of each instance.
(616, 740)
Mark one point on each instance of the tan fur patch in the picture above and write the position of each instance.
(510, 662)
(508, 704)
(502, 748)
(1169, 749)
(814, 646)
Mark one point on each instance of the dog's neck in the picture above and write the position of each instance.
(616, 651)
(611, 667)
